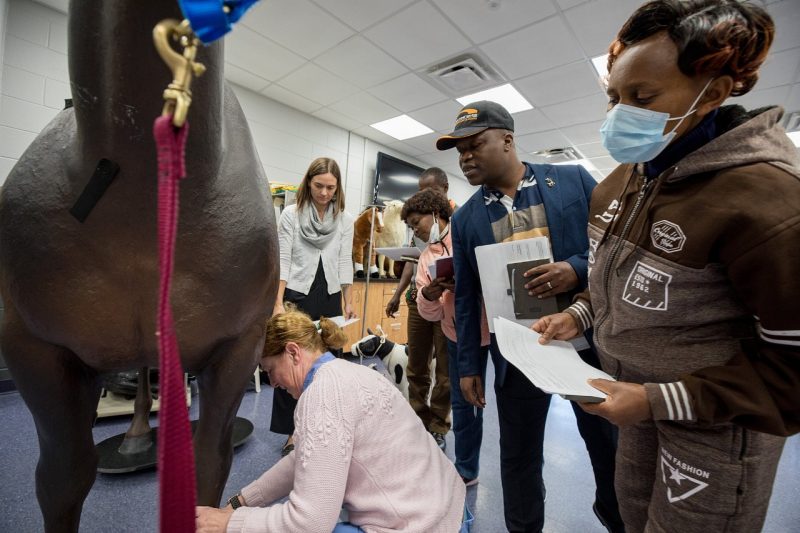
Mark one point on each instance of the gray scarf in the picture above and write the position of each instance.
(314, 231)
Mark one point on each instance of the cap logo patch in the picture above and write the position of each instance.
(466, 115)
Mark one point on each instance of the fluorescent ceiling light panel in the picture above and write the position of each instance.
(600, 64)
(585, 163)
(505, 95)
(402, 127)
(795, 137)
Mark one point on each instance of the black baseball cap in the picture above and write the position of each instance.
(473, 119)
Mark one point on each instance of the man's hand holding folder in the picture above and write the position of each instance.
(550, 279)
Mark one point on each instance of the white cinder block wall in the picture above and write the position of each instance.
(35, 82)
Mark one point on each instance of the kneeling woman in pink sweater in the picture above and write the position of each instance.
(358, 446)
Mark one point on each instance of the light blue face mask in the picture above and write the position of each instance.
(635, 135)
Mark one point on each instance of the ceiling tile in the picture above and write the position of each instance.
(779, 69)
(566, 4)
(364, 108)
(290, 98)
(588, 132)
(577, 111)
(544, 140)
(418, 36)
(446, 158)
(336, 118)
(424, 143)
(244, 78)
(360, 14)
(371, 133)
(317, 84)
(360, 62)
(250, 51)
(531, 121)
(762, 98)
(408, 92)
(597, 175)
(591, 149)
(481, 23)
(786, 15)
(559, 84)
(595, 24)
(440, 117)
(512, 52)
(604, 162)
(405, 148)
(793, 101)
(286, 21)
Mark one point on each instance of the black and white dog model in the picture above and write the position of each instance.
(393, 355)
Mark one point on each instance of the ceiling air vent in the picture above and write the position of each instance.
(462, 75)
(557, 155)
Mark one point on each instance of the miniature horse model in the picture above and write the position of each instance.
(393, 235)
(81, 297)
(362, 236)
(394, 356)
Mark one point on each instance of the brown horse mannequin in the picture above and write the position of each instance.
(81, 297)
(366, 227)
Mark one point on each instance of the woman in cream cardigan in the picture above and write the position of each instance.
(316, 243)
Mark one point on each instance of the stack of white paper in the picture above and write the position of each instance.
(554, 367)
(492, 260)
(340, 321)
(399, 254)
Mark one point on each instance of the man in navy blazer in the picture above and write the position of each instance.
(519, 200)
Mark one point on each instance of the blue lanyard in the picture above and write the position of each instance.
(208, 19)
(327, 357)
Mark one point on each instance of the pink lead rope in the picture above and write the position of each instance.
(175, 454)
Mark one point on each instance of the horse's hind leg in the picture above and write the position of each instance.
(61, 393)
(222, 386)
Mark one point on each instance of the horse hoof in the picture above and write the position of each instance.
(359, 273)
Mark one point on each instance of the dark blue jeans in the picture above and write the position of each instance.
(467, 419)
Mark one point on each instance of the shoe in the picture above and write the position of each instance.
(439, 438)
(287, 448)
(607, 523)
(469, 482)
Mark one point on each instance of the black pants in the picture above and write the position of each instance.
(522, 413)
(316, 303)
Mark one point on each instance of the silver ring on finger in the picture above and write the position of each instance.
(550, 285)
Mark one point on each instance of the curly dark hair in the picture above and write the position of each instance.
(427, 202)
(717, 37)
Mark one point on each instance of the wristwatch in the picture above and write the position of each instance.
(235, 502)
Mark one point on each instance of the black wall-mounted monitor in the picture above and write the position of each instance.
(395, 179)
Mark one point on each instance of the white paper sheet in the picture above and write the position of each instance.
(340, 321)
(399, 254)
(555, 367)
(492, 261)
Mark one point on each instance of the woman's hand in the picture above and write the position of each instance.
(437, 287)
(348, 311)
(560, 326)
(211, 519)
(551, 279)
(625, 403)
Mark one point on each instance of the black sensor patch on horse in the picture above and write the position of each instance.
(103, 175)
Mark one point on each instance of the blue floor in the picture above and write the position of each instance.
(127, 503)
